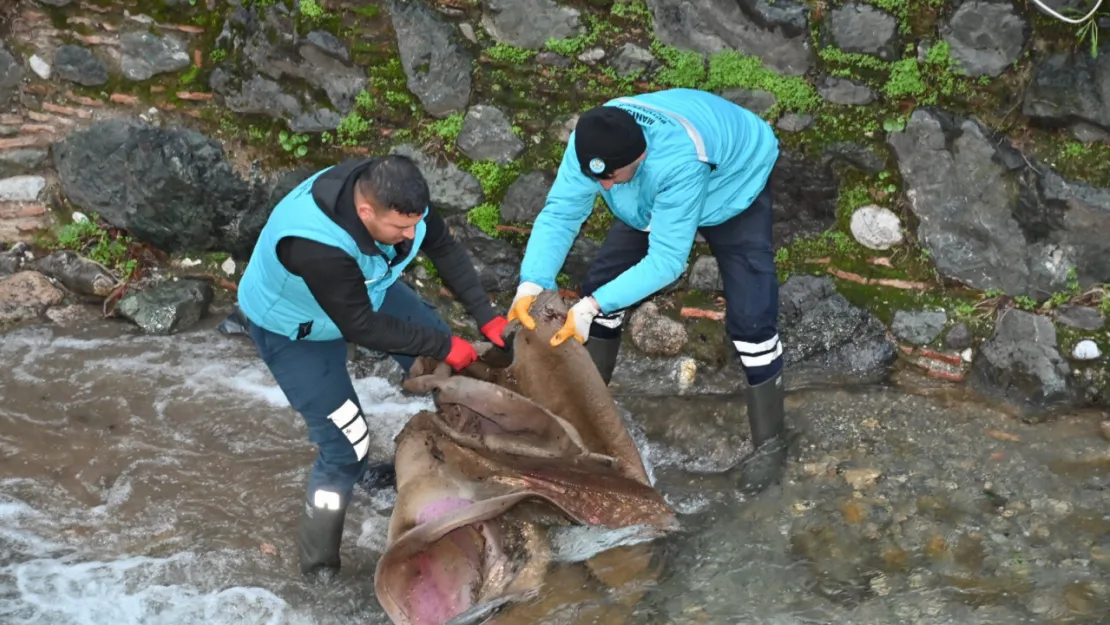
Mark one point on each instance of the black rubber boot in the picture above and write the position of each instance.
(764, 465)
(321, 533)
(235, 323)
(604, 354)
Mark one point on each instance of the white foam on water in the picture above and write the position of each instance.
(39, 586)
(133, 591)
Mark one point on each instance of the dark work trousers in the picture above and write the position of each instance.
(743, 249)
(313, 375)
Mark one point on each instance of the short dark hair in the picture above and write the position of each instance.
(395, 182)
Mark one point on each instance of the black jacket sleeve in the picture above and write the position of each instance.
(455, 268)
(336, 281)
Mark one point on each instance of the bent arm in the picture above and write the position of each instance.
(337, 283)
(674, 223)
(455, 268)
(568, 205)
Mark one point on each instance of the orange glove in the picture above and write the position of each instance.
(525, 294)
(461, 355)
(579, 318)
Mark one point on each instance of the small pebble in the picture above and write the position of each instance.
(1086, 350)
(40, 67)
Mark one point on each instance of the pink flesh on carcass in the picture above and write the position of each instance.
(445, 575)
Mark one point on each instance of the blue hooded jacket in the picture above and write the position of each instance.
(707, 160)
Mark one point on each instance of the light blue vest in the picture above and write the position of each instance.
(279, 301)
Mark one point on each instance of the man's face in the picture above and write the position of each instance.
(622, 175)
(387, 226)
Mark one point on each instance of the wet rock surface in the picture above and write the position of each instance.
(655, 334)
(526, 196)
(78, 64)
(13, 259)
(705, 275)
(1080, 317)
(821, 331)
(487, 135)
(986, 37)
(864, 29)
(78, 274)
(918, 327)
(1022, 365)
(995, 222)
(271, 71)
(1070, 87)
(529, 23)
(497, 262)
(438, 68)
(172, 188)
(805, 195)
(21, 160)
(774, 32)
(146, 55)
(826, 341)
(844, 91)
(168, 307)
(893, 508)
(11, 73)
(25, 295)
(452, 189)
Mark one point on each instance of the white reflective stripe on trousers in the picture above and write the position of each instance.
(348, 418)
(759, 354)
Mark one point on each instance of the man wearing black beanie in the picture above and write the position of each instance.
(670, 164)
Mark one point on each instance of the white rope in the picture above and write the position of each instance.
(1068, 19)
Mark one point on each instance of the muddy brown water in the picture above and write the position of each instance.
(157, 480)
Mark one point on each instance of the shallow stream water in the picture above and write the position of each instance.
(157, 480)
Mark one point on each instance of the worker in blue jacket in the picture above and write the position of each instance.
(670, 164)
(324, 273)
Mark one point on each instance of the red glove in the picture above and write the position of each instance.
(461, 355)
(493, 330)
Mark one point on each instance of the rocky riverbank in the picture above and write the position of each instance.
(942, 200)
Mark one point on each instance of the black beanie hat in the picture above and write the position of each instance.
(607, 138)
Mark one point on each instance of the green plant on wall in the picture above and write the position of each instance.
(293, 142)
(89, 239)
(1087, 22)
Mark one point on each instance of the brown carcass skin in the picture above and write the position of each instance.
(510, 452)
